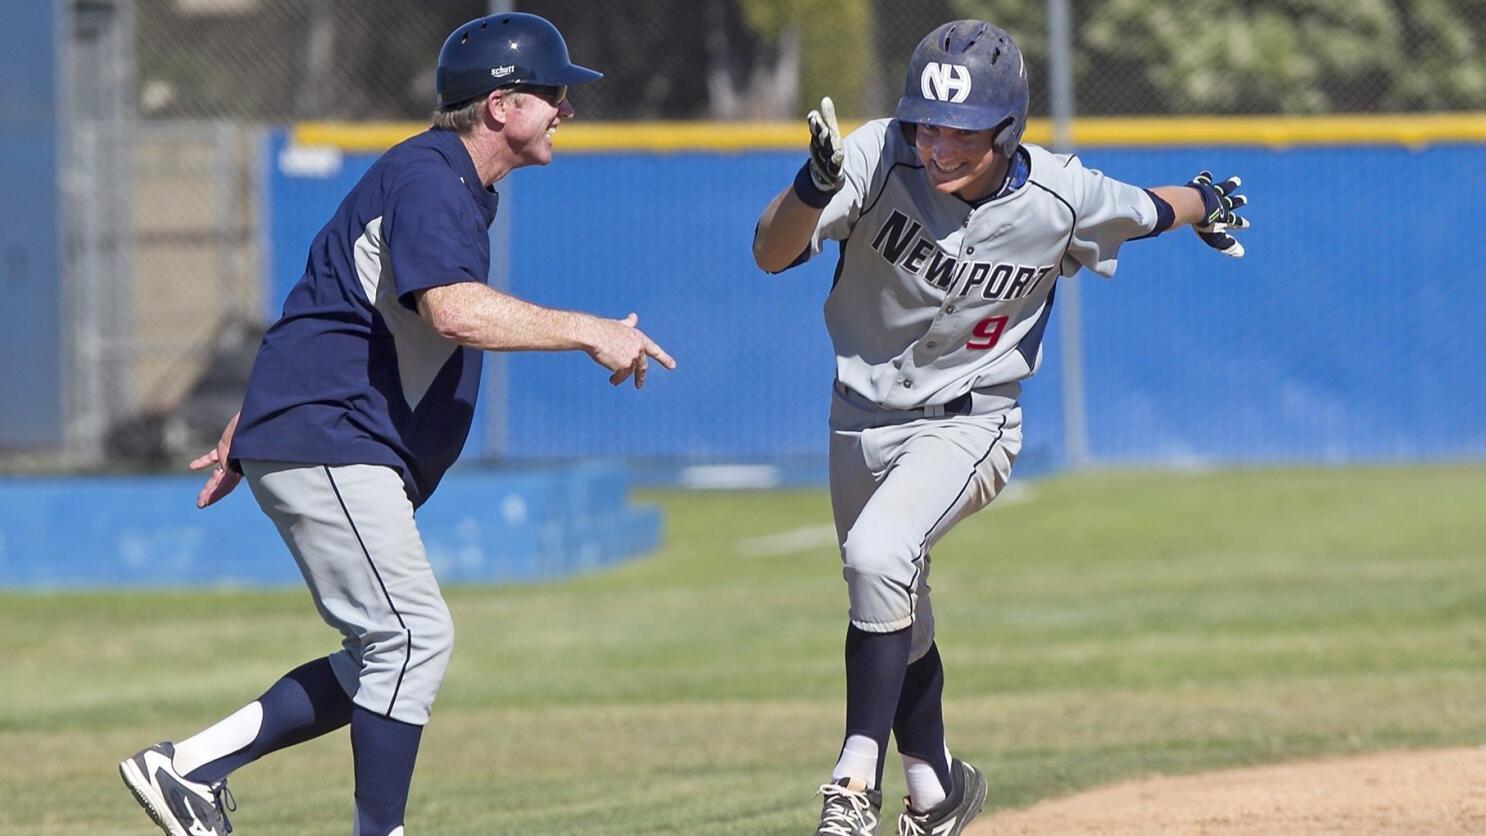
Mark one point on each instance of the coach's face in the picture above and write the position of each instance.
(958, 161)
(532, 119)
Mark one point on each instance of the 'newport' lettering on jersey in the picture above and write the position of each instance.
(901, 242)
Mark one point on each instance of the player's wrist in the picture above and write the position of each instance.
(808, 192)
(1212, 205)
(1165, 213)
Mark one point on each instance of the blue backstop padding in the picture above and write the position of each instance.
(1348, 333)
(481, 527)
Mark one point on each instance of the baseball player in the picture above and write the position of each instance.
(953, 235)
(360, 398)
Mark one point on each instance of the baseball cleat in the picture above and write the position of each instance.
(850, 809)
(948, 817)
(178, 806)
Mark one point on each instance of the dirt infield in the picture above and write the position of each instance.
(1437, 792)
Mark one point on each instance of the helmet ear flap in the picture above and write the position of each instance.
(999, 140)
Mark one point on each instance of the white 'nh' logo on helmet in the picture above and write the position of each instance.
(946, 82)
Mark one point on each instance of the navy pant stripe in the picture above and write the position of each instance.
(408, 655)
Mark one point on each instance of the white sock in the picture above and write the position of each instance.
(228, 735)
(924, 789)
(858, 760)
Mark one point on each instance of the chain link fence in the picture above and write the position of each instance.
(284, 60)
(170, 255)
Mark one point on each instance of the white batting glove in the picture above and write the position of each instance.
(1219, 200)
(826, 149)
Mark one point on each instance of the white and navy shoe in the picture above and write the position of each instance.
(948, 817)
(850, 809)
(180, 807)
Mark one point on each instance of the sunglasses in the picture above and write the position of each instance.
(553, 95)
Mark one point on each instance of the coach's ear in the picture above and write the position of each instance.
(497, 106)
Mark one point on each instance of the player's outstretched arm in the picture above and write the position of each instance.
(788, 222)
(1210, 209)
(478, 316)
(222, 479)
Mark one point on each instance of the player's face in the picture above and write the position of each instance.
(532, 121)
(958, 161)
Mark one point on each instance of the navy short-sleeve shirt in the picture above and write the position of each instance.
(350, 374)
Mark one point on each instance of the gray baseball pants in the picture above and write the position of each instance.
(351, 530)
(900, 480)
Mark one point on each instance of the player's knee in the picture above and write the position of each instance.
(867, 554)
(879, 580)
(436, 643)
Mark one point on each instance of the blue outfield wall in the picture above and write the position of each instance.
(1349, 332)
(506, 527)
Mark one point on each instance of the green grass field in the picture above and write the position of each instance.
(1094, 628)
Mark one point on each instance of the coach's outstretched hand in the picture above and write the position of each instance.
(624, 349)
(826, 148)
(222, 479)
(1219, 200)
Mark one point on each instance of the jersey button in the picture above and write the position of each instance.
(969, 250)
(930, 344)
(907, 384)
(950, 309)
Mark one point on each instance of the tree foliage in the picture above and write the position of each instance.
(835, 43)
(1261, 56)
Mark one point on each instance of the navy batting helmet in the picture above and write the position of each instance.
(504, 50)
(969, 75)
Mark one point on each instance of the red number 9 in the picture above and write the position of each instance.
(989, 331)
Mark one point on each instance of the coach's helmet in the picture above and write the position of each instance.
(969, 75)
(501, 51)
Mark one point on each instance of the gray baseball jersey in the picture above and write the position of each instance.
(934, 297)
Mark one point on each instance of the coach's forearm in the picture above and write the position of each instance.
(784, 231)
(1186, 203)
(481, 317)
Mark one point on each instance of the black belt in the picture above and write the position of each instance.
(956, 406)
(962, 405)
